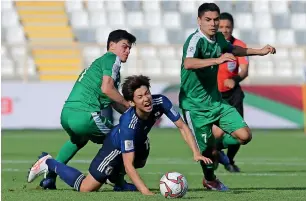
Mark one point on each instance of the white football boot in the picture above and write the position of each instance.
(40, 167)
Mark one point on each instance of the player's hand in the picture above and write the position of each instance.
(225, 57)
(230, 83)
(267, 49)
(148, 193)
(202, 158)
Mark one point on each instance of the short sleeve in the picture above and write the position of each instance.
(127, 138)
(192, 46)
(169, 110)
(224, 44)
(111, 65)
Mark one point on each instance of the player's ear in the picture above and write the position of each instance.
(112, 45)
(132, 104)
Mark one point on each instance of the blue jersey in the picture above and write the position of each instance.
(131, 133)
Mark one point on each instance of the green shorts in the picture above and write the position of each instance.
(82, 126)
(201, 122)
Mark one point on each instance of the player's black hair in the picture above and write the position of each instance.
(207, 7)
(132, 83)
(227, 16)
(118, 35)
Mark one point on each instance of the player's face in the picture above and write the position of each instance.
(143, 99)
(121, 49)
(226, 27)
(209, 23)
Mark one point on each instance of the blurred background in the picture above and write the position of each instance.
(45, 45)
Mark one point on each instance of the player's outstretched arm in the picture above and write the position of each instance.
(240, 51)
(119, 107)
(108, 88)
(188, 137)
(128, 159)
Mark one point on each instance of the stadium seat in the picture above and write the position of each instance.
(15, 35)
(147, 52)
(26, 67)
(242, 6)
(264, 68)
(19, 52)
(92, 52)
(132, 5)
(135, 19)
(76, 5)
(132, 67)
(149, 6)
(95, 6)
(102, 35)
(283, 68)
(299, 69)
(116, 19)
(166, 53)
(97, 19)
(86, 35)
(189, 20)
(187, 7)
(250, 37)
(79, 19)
(172, 67)
(225, 6)
(158, 36)
(169, 5)
(114, 6)
(252, 69)
(176, 36)
(261, 6)
(298, 21)
(244, 21)
(171, 20)
(267, 36)
(9, 18)
(262, 20)
(152, 67)
(153, 19)
(236, 33)
(7, 5)
(300, 37)
(297, 6)
(297, 54)
(7, 67)
(179, 52)
(285, 37)
(281, 21)
(279, 7)
(141, 34)
(282, 54)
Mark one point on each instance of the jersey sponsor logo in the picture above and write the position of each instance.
(156, 114)
(231, 66)
(128, 145)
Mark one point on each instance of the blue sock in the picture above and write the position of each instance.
(69, 175)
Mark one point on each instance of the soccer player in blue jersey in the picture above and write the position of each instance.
(126, 147)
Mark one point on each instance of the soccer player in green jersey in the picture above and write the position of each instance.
(95, 89)
(199, 98)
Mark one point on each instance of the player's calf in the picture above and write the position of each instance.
(244, 135)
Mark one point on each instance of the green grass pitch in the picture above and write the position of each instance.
(273, 165)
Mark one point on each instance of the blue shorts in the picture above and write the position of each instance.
(108, 162)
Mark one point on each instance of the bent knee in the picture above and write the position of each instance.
(244, 135)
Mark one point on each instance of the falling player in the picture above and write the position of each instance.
(229, 78)
(127, 146)
(199, 97)
(95, 89)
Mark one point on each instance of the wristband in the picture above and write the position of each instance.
(237, 79)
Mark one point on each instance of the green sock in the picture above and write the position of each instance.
(226, 140)
(67, 151)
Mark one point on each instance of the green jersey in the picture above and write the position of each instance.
(86, 94)
(199, 88)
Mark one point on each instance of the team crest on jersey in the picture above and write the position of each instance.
(156, 114)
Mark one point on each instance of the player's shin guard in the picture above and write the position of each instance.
(208, 170)
(231, 152)
(69, 175)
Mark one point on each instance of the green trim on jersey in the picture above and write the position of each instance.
(198, 89)
(86, 94)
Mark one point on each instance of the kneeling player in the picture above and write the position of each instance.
(127, 146)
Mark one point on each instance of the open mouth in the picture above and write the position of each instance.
(148, 106)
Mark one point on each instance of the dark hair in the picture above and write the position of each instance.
(132, 83)
(118, 35)
(207, 7)
(227, 16)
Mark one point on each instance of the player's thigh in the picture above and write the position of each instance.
(232, 123)
(217, 132)
(99, 127)
(107, 159)
(90, 184)
(201, 126)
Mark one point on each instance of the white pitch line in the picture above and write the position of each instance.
(195, 173)
(178, 162)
